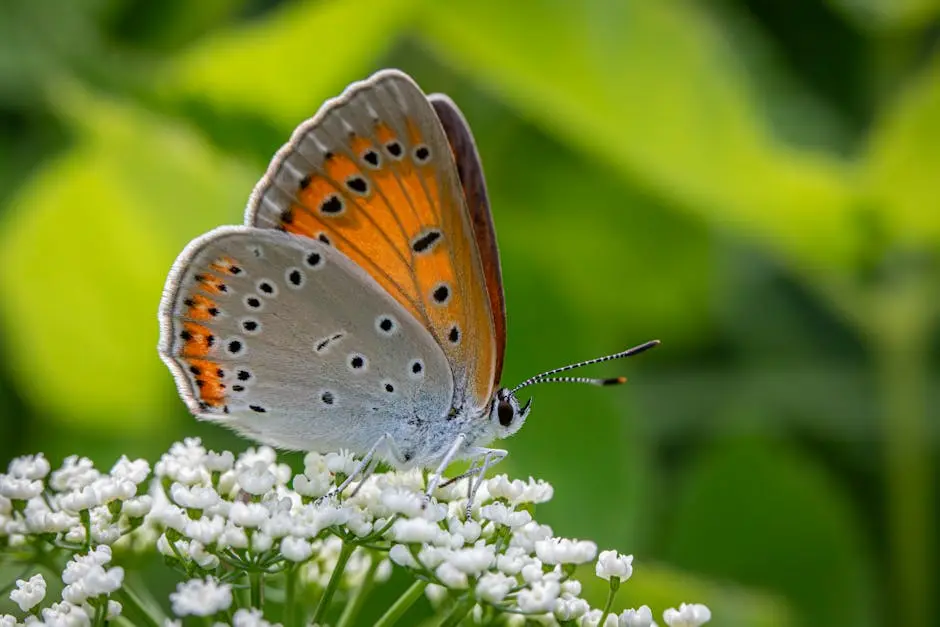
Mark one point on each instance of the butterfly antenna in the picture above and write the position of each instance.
(546, 377)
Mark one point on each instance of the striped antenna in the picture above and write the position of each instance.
(546, 377)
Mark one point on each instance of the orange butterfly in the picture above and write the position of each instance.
(361, 306)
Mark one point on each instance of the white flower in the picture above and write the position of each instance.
(261, 542)
(201, 597)
(96, 581)
(448, 575)
(134, 471)
(28, 593)
(539, 597)
(500, 487)
(46, 521)
(688, 615)
(313, 484)
(65, 614)
(114, 609)
(417, 530)
(29, 467)
(613, 564)
(565, 551)
(194, 497)
(475, 560)
(206, 530)
(76, 473)
(219, 462)
(256, 479)
(19, 488)
(535, 491)
(250, 618)
(570, 609)
(78, 500)
(493, 587)
(137, 507)
(593, 618)
(402, 501)
(529, 534)
(401, 555)
(7, 620)
(341, 462)
(641, 617)
(248, 514)
(184, 463)
(512, 561)
(296, 549)
(80, 565)
(502, 515)
(469, 531)
(532, 571)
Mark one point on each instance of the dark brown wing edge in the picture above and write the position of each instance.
(470, 170)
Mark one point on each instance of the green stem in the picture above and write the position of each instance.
(400, 606)
(290, 590)
(460, 611)
(354, 604)
(614, 586)
(902, 367)
(256, 582)
(142, 613)
(333, 584)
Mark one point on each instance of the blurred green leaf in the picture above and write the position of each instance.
(903, 161)
(285, 65)
(654, 91)
(86, 248)
(878, 15)
(755, 511)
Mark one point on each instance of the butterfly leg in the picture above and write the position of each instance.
(367, 465)
(449, 456)
(491, 457)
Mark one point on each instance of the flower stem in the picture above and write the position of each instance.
(290, 589)
(333, 584)
(354, 604)
(460, 611)
(256, 580)
(142, 614)
(401, 606)
(614, 586)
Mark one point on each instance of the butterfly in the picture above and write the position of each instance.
(361, 306)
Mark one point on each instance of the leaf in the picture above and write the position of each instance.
(652, 90)
(86, 248)
(758, 512)
(285, 65)
(886, 15)
(903, 161)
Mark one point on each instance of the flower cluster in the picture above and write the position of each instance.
(248, 522)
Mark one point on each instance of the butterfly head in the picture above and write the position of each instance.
(506, 414)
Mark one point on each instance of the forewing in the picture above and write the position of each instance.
(373, 175)
(470, 171)
(289, 342)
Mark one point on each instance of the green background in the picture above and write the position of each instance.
(753, 182)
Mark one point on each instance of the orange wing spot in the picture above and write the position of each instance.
(314, 190)
(359, 145)
(384, 133)
(197, 340)
(209, 386)
(340, 168)
(226, 265)
(211, 283)
(201, 307)
(414, 133)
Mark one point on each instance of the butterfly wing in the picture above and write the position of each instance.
(287, 341)
(373, 175)
(470, 171)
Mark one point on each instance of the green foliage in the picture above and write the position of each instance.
(658, 169)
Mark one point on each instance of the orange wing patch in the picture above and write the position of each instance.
(374, 175)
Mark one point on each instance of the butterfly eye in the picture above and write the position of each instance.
(505, 413)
